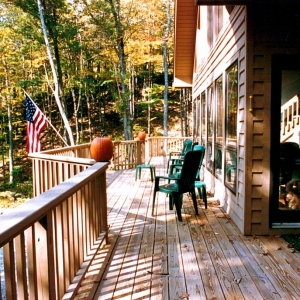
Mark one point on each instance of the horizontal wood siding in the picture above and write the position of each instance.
(268, 33)
(230, 46)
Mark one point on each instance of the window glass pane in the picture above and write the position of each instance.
(289, 163)
(210, 107)
(220, 109)
(195, 119)
(198, 125)
(203, 119)
(219, 128)
(232, 103)
(231, 127)
(230, 171)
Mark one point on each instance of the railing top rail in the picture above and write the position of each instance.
(127, 142)
(169, 138)
(64, 149)
(70, 159)
(15, 221)
(86, 145)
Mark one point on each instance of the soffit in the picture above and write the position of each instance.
(244, 2)
(184, 42)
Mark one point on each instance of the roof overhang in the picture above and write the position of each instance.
(184, 42)
(244, 2)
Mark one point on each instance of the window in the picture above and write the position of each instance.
(203, 118)
(219, 128)
(195, 119)
(210, 129)
(231, 127)
(198, 118)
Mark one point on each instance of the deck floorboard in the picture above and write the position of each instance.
(203, 257)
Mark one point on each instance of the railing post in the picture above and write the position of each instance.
(139, 152)
(147, 148)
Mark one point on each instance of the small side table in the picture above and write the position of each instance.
(138, 171)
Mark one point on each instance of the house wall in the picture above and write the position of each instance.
(272, 29)
(251, 35)
(228, 46)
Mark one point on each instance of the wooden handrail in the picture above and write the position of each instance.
(47, 240)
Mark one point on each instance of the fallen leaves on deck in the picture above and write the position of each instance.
(185, 295)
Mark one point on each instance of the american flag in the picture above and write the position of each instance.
(36, 123)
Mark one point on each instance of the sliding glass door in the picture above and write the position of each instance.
(285, 150)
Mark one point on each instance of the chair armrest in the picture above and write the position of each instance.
(157, 178)
(173, 166)
(177, 153)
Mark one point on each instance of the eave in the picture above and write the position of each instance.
(244, 2)
(184, 42)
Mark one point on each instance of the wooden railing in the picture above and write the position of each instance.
(50, 170)
(126, 155)
(49, 241)
(162, 146)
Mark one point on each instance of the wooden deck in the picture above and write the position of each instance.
(204, 257)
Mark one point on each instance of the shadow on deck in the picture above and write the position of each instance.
(204, 257)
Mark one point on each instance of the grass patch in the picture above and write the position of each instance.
(293, 240)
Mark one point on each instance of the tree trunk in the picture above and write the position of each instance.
(181, 97)
(11, 161)
(89, 114)
(166, 70)
(115, 9)
(55, 78)
(10, 127)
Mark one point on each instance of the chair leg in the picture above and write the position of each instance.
(151, 172)
(204, 196)
(171, 203)
(153, 202)
(178, 204)
(200, 193)
(195, 201)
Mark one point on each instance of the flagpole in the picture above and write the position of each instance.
(49, 122)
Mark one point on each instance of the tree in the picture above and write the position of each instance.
(166, 69)
(104, 52)
(55, 78)
(108, 17)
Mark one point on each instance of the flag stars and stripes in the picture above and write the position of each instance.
(36, 123)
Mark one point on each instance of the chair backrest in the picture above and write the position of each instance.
(189, 170)
(202, 148)
(194, 144)
(187, 146)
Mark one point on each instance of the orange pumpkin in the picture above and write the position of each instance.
(102, 149)
(142, 135)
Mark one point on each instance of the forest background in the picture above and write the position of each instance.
(114, 62)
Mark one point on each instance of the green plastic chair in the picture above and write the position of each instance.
(175, 155)
(184, 183)
(199, 185)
